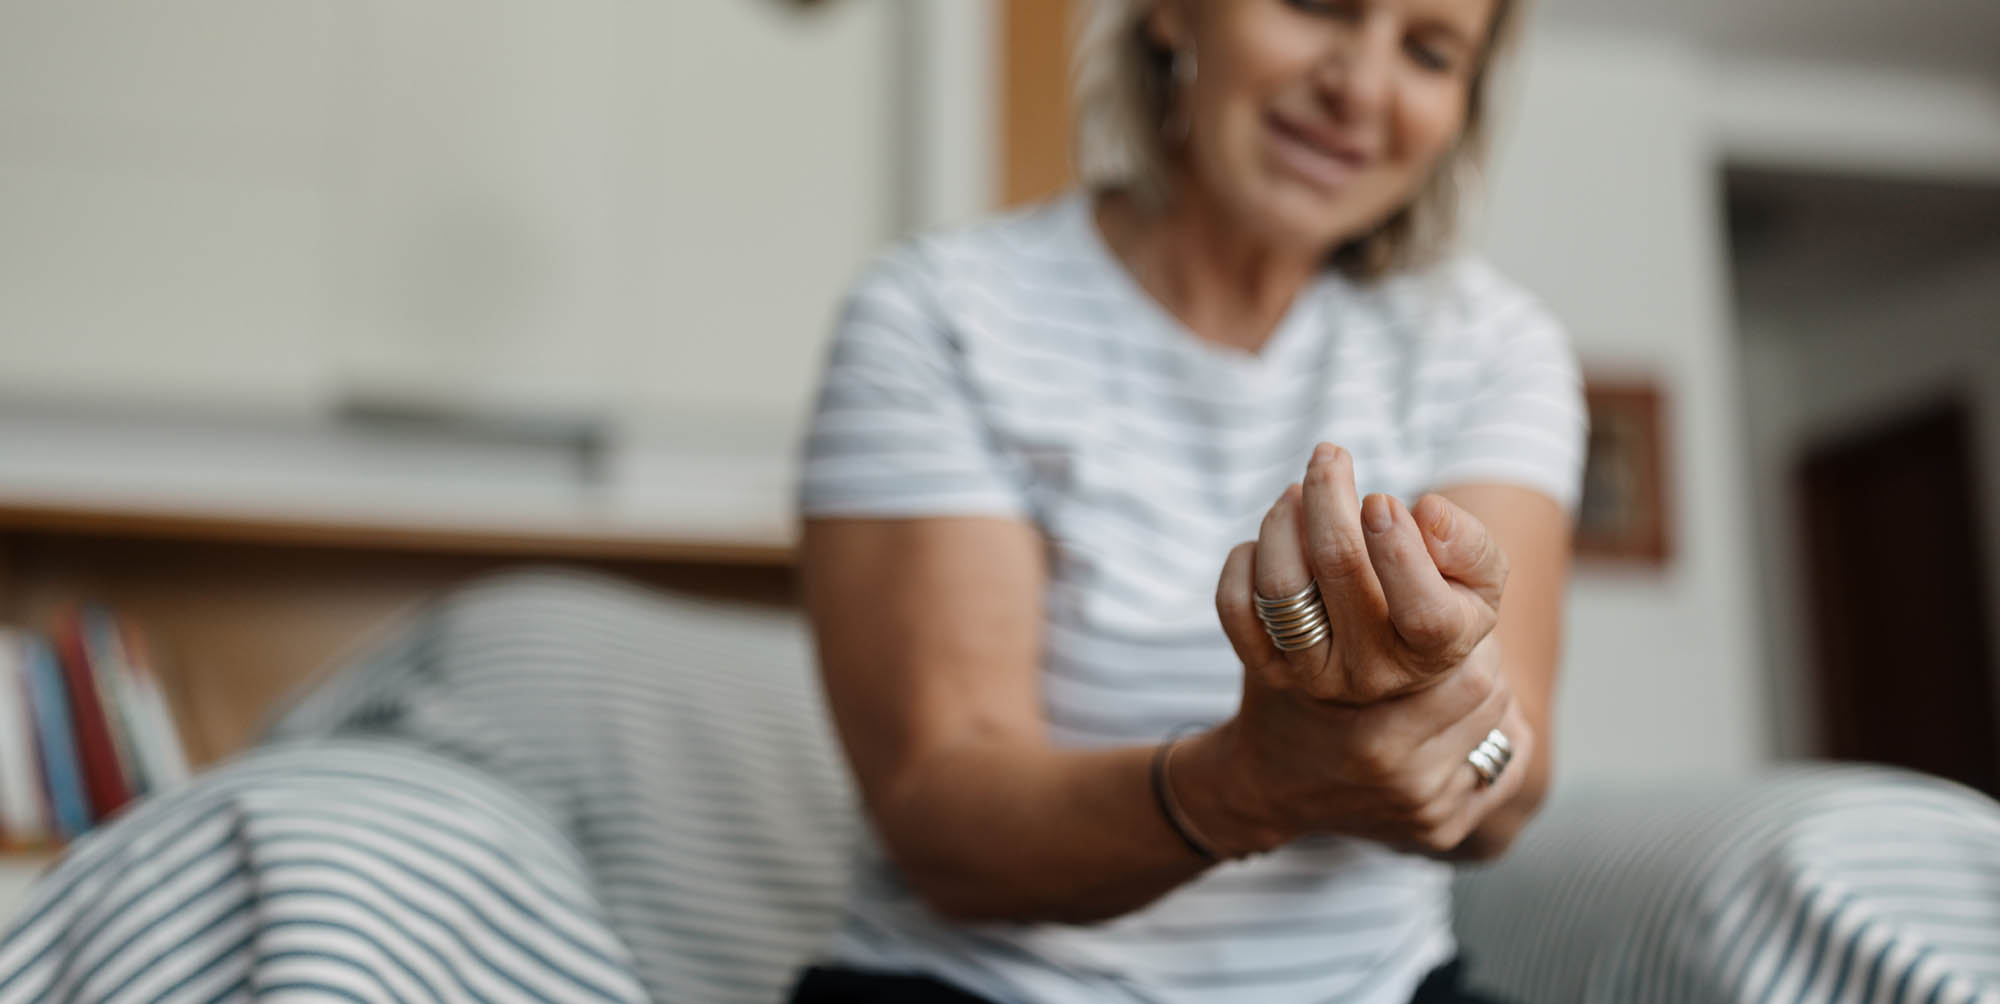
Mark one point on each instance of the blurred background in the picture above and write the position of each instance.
(309, 305)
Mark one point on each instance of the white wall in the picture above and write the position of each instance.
(1830, 364)
(1856, 118)
(583, 207)
(165, 220)
(1602, 200)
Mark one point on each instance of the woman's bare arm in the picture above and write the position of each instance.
(929, 633)
(930, 639)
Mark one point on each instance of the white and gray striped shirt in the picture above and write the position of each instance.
(1016, 369)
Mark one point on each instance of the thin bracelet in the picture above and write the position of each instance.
(1163, 794)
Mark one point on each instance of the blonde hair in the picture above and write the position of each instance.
(1123, 84)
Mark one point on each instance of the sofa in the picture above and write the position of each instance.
(552, 785)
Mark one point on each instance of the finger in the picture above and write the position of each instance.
(1238, 612)
(1336, 548)
(1460, 796)
(1280, 560)
(1462, 547)
(1451, 749)
(1435, 621)
(1453, 697)
(1514, 725)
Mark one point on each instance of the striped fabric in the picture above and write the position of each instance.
(357, 870)
(676, 747)
(1842, 885)
(679, 744)
(552, 787)
(1016, 370)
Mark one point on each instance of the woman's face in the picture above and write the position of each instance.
(1312, 121)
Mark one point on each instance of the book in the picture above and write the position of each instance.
(104, 653)
(62, 777)
(163, 757)
(24, 811)
(103, 776)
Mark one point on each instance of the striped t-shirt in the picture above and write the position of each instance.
(1016, 369)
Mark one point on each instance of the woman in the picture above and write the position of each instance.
(1037, 441)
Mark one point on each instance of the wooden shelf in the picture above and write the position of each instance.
(580, 541)
(244, 608)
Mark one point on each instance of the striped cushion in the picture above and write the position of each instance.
(680, 744)
(352, 870)
(1814, 883)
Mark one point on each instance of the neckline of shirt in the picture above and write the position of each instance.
(1303, 319)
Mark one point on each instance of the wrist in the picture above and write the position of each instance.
(1214, 785)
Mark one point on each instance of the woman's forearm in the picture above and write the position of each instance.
(1009, 835)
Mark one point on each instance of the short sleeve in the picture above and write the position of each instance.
(1524, 421)
(896, 430)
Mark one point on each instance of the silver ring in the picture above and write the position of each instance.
(1300, 599)
(1490, 758)
(1294, 622)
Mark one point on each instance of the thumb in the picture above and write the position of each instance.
(1461, 547)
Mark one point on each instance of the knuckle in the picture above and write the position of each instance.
(1483, 624)
(1428, 627)
(1442, 838)
(1232, 606)
(1408, 799)
(1434, 817)
(1370, 687)
(1227, 592)
(1484, 678)
(1435, 511)
(1279, 510)
(1376, 762)
(1396, 804)
(1337, 562)
(1325, 686)
(1456, 649)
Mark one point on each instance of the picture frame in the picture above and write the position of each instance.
(1624, 515)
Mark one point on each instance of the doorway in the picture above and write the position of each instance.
(1868, 309)
(1898, 597)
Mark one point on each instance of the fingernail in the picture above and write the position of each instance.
(1322, 453)
(1376, 514)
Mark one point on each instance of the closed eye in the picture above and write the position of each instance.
(1434, 49)
(1429, 55)
(1345, 10)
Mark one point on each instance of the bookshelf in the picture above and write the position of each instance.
(243, 608)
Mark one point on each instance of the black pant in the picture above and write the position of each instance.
(833, 985)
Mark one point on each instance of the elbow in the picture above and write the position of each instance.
(974, 891)
(958, 884)
(981, 884)
(955, 896)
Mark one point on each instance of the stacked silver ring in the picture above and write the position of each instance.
(1491, 757)
(1295, 622)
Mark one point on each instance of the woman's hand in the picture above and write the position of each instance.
(1367, 732)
